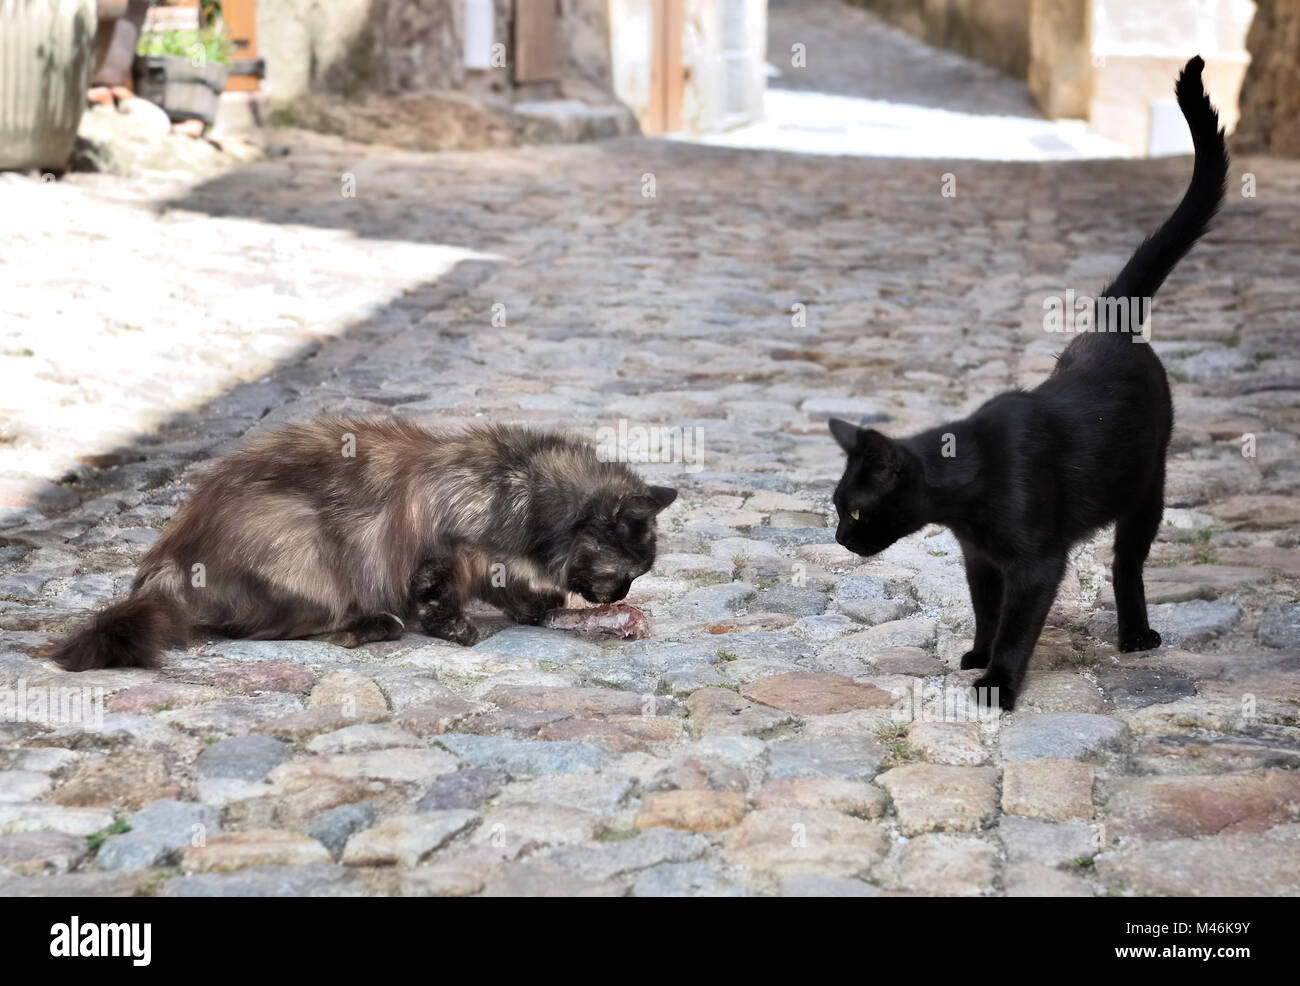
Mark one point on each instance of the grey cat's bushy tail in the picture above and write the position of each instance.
(129, 634)
(1161, 251)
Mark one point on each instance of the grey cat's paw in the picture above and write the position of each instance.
(456, 629)
(535, 610)
(384, 626)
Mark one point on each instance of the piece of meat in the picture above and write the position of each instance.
(612, 619)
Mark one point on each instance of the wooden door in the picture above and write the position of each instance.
(667, 77)
(241, 26)
(537, 41)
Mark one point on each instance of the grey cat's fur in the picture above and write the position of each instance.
(295, 538)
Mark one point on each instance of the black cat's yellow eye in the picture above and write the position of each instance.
(853, 515)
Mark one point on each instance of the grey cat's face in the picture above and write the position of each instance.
(615, 545)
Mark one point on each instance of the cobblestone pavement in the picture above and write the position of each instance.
(751, 745)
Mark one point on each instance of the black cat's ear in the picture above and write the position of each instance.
(880, 453)
(662, 496)
(845, 434)
(873, 445)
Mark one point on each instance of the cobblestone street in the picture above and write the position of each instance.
(751, 745)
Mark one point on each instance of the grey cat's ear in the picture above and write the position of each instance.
(845, 434)
(662, 496)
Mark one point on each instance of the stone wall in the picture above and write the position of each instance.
(717, 95)
(584, 38)
(341, 46)
(1113, 62)
(994, 31)
(1060, 63)
(352, 47)
(718, 92)
(1270, 92)
(1139, 47)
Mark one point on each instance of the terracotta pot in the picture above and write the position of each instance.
(119, 29)
(46, 50)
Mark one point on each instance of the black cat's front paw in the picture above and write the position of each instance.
(456, 629)
(974, 659)
(1137, 640)
(993, 688)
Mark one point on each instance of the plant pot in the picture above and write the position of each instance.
(119, 29)
(185, 90)
(46, 51)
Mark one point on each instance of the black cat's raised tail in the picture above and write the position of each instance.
(1161, 251)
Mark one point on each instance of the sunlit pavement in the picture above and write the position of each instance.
(820, 123)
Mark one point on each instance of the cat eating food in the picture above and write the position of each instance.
(347, 529)
(1032, 473)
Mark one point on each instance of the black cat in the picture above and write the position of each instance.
(1032, 473)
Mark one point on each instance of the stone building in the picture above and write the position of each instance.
(690, 65)
(1111, 62)
(693, 65)
(541, 47)
(1270, 94)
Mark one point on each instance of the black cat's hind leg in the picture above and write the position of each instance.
(1027, 594)
(985, 581)
(438, 601)
(1134, 533)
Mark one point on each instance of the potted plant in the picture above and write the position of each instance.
(185, 71)
(46, 54)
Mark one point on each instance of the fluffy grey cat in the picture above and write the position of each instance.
(349, 528)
